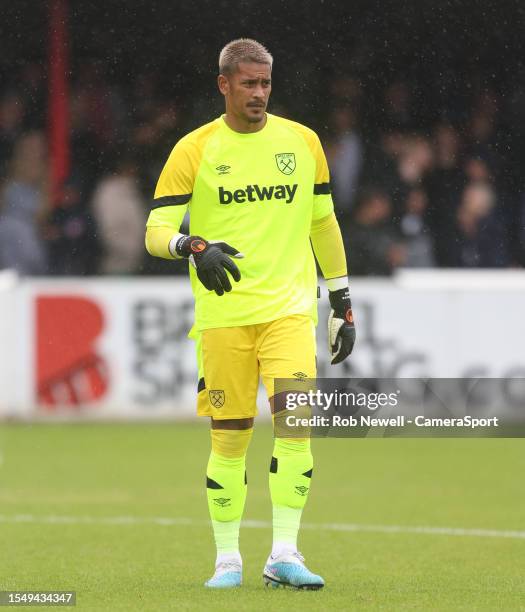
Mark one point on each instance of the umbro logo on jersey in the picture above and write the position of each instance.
(223, 169)
(252, 193)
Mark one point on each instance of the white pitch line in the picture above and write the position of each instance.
(173, 521)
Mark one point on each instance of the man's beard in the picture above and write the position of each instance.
(256, 119)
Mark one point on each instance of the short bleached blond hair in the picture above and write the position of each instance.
(243, 50)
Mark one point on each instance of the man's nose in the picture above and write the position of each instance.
(258, 91)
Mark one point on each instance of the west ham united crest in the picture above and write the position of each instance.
(217, 398)
(285, 162)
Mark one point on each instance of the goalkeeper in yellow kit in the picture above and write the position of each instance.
(257, 189)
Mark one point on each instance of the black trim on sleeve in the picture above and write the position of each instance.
(322, 189)
(171, 201)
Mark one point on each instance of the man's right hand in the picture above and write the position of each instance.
(341, 328)
(211, 261)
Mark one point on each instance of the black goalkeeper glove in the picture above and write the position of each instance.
(341, 329)
(211, 261)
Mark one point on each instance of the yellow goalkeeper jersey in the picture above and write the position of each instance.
(259, 192)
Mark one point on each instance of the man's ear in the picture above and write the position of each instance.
(224, 85)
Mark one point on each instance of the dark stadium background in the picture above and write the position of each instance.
(449, 50)
(395, 67)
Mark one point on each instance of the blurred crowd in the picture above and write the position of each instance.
(445, 193)
(446, 196)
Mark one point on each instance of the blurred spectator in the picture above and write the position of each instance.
(104, 104)
(444, 184)
(89, 155)
(72, 233)
(415, 160)
(483, 134)
(345, 158)
(119, 212)
(372, 245)
(22, 247)
(481, 239)
(380, 165)
(483, 120)
(447, 143)
(153, 138)
(476, 169)
(398, 106)
(404, 161)
(71, 229)
(11, 124)
(416, 234)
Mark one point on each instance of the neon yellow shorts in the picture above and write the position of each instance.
(231, 359)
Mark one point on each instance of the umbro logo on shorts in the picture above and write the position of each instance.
(300, 376)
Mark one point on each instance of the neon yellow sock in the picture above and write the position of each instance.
(290, 474)
(226, 489)
(226, 486)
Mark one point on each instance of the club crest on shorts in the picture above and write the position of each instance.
(285, 162)
(217, 398)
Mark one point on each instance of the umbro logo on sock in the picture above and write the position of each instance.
(223, 502)
(302, 491)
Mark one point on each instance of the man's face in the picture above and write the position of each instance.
(247, 91)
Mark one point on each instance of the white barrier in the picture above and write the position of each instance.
(8, 340)
(111, 348)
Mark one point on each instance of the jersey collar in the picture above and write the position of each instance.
(245, 134)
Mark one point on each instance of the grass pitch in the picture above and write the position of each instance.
(82, 508)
